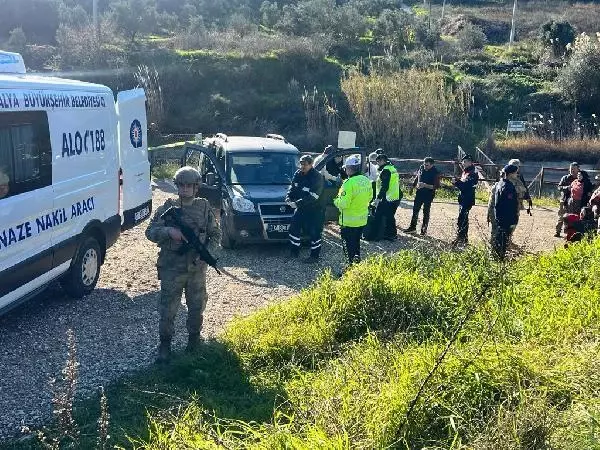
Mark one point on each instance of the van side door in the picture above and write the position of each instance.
(27, 213)
(205, 161)
(136, 189)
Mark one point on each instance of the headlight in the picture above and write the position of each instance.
(243, 205)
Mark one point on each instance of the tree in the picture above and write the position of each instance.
(134, 16)
(75, 16)
(579, 80)
(269, 13)
(38, 18)
(347, 24)
(471, 37)
(17, 42)
(557, 35)
(393, 30)
(308, 17)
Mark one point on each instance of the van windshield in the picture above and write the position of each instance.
(261, 168)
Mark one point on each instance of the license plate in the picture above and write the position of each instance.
(278, 228)
(141, 214)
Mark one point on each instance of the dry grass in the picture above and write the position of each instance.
(254, 44)
(533, 148)
(406, 110)
(583, 16)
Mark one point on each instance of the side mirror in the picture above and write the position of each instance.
(211, 179)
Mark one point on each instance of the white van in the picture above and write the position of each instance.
(74, 172)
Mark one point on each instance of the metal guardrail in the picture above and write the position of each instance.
(162, 154)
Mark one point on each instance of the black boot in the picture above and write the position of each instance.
(193, 342)
(164, 351)
(423, 230)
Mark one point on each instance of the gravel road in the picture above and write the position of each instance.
(116, 326)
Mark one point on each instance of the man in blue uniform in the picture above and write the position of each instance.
(466, 184)
(305, 196)
(506, 210)
(426, 182)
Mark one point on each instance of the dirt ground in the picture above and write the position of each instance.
(116, 326)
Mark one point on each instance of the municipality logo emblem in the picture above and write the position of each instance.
(135, 134)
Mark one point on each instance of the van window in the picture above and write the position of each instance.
(261, 167)
(25, 152)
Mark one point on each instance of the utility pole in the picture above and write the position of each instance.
(511, 39)
(96, 23)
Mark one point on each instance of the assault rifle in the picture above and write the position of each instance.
(172, 217)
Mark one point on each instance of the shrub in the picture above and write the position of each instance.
(74, 46)
(471, 37)
(579, 80)
(557, 35)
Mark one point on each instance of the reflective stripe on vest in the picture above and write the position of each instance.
(393, 192)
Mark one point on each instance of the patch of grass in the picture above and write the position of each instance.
(349, 363)
(526, 363)
(165, 171)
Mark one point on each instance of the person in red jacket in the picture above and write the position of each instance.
(578, 225)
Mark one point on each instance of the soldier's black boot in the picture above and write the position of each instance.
(164, 351)
(193, 342)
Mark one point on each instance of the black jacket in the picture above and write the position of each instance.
(385, 176)
(564, 186)
(431, 176)
(335, 169)
(506, 207)
(307, 190)
(466, 197)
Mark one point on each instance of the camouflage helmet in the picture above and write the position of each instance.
(186, 175)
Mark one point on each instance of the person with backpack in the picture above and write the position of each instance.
(565, 186)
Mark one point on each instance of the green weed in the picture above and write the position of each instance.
(412, 350)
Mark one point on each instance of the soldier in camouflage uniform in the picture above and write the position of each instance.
(182, 272)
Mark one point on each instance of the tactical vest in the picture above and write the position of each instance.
(360, 191)
(393, 192)
(196, 217)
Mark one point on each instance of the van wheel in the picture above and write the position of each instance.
(227, 242)
(85, 270)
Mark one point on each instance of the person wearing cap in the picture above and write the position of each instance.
(177, 271)
(564, 186)
(466, 184)
(353, 201)
(506, 207)
(305, 196)
(387, 198)
(426, 182)
(4, 184)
